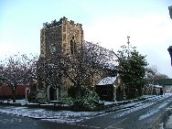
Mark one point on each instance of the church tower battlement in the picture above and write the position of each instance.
(60, 37)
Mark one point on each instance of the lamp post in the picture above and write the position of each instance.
(170, 52)
(170, 11)
(170, 47)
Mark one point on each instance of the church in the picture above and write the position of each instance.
(59, 38)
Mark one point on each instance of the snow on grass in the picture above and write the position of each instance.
(67, 121)
(20, 101)
(108, 102)
(57, 116)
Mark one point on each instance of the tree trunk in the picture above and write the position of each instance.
(14, 95)
(14, 92)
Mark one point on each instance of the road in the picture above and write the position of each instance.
(144, 115)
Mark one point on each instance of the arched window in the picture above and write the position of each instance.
(73, 46)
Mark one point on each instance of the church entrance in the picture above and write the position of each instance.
(53, 94)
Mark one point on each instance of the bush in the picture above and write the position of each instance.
(31, 97)
(41, 97)
(68, 100)
(88, 101)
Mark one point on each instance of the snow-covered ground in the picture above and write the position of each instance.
(43, 114)
(21, 101)
(74, 117)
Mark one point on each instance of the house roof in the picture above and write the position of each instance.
(107, 81)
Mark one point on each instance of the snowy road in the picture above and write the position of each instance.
(137, 115)
(144, 115)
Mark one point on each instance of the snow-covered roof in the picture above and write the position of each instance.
(107, 81)
(158, 86)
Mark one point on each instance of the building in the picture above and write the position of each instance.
(57, 39)
(151, 89)
(106, 88)
(166, 83)
(60, 37)
(22, 91)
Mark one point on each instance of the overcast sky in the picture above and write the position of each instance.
(108, 22)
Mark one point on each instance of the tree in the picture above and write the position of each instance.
(131, 69)
(86, 64)
(18, 69)
(152, 75)
(82, 67)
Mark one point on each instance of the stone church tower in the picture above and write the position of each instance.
(59, 37)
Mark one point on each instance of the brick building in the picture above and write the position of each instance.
(22, 91)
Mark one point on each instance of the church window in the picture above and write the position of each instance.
(73, 46)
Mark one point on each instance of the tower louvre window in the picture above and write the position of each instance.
(72, 46)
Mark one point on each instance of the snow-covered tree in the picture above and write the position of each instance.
(87, 65)
(81, 67)
(18, 69)
(152, 75)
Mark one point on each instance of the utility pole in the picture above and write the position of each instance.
(128, 42)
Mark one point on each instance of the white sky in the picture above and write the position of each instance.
(108, 22)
